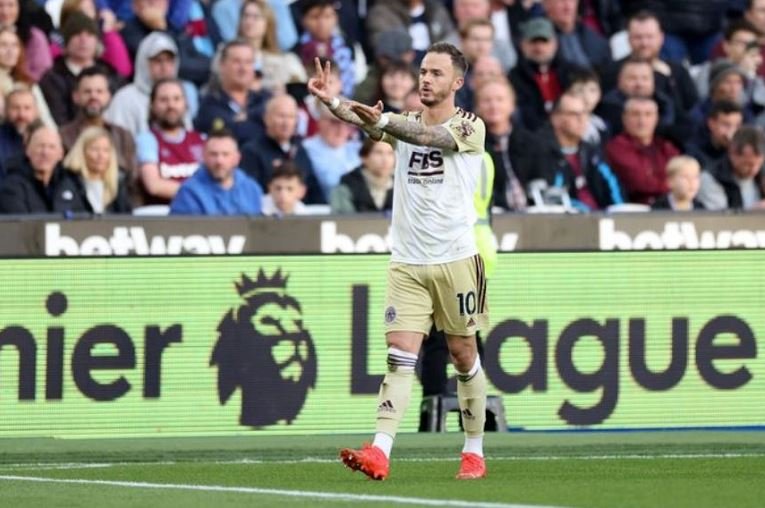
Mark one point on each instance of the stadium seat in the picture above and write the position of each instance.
(435, 408)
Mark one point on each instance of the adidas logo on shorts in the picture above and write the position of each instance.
(386, 406)
(466, 414)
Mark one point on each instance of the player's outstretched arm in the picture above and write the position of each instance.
(435, 136)
(318, 85)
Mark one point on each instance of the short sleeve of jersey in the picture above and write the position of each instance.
(468, 132)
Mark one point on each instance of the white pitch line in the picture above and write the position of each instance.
(319, 460)
(333, 496)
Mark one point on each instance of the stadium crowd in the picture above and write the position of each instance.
(201, 106)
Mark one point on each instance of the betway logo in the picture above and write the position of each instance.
(126, 241)
(678, 235)
(333, 242)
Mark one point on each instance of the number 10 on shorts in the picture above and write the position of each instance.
(467, 303)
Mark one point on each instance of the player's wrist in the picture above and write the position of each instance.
(383, 121)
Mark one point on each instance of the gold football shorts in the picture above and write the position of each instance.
(451, 295)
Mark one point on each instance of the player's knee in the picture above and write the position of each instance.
(463, 358)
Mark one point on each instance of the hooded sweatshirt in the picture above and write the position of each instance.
(129, 108)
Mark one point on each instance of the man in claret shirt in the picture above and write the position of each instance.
(167, 153)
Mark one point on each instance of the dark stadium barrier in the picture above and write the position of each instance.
(120, 236)
(219, 345)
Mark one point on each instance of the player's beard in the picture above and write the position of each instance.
(437, 98)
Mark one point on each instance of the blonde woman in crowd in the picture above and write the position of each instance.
(257, 25)
(94, 159)
(13, 72)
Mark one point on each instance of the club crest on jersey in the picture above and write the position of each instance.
(465, 129)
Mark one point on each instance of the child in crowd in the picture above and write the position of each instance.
(322, 38)
(683, 174)
(286, 190)
(586, 84)
(397, 80)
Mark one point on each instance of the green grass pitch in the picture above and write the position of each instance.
(652, 469)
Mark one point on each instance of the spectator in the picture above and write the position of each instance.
(603, 16)
(368, 188)
(13, 74)
(476, 39)
(466, 11)
(638, 156)
(396, 82)
(485, 68)
(157, 59)
(671, 79)
(36, 48)
(323, 39)
(393, 46)
(741, 46)
(257, 25)
(540, 77)
(427, 22)
(332, 151)
(692, 26)
(219, 187)
(81, 47)
(738, 181)
(226, 14)
(636, 79)
(683, 181)
(712, 141)
(586, 84)
(20, 112)
(566, 160)
(152, 15)
(754, 14)
(278, 144)
(93, 159)
(579, 44)
(285, 192)
(727, 82)
(42, 185)
(114, 52)
(238, 101)
(92, 96)
(168, 153)
(510, 146)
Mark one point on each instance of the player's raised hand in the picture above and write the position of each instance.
(318, 85)
(368, 114)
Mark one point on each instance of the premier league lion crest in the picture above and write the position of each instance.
(264, 350)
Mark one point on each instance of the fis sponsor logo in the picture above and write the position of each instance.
(263, 349)
(678, 235)
(426, 168)
(386, 407)
(127, 241)
(422, 161)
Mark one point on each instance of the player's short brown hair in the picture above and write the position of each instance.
(458, 59)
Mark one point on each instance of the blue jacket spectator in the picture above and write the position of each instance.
(219, 187)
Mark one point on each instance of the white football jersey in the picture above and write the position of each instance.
(433, 212)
